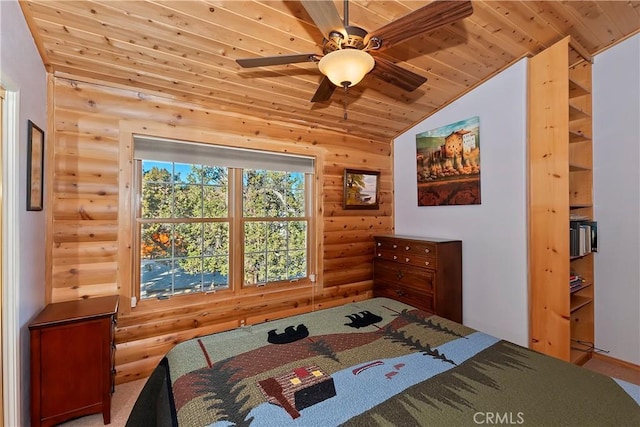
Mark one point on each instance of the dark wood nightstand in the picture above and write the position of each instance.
(72, 360)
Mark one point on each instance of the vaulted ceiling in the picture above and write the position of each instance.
(186, 50)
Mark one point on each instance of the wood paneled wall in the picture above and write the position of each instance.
(88, 123)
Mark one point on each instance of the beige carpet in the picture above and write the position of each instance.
(121, 403)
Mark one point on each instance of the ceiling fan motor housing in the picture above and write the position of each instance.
(337, 41)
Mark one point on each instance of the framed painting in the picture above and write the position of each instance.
(35, 167)
(448, 164)
(361, 189)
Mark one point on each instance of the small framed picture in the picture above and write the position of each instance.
(35, 167)
(361, 189)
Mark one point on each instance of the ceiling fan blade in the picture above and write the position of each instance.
(396, 75)
(324, 91)
(276, 60)
(325, 16)
(426, 19)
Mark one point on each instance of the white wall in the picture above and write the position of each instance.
(494, 233)
(23, 75)
(616, 158)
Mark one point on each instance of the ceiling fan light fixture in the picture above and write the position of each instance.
(346, 67)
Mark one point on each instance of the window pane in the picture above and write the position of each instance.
(216, 202)
(277, 236)
(255, 268)
(283, 249)
(297, 234)
(216, 273)
(297, 267)
(265, 193)
(255, 236)
(295, 203)
(155, 278)
(156, 241)
(276, 266)
(188, 201)
(215, 176)
(187, 275)
(157, 200)
(216, 238)
(188, 240)
(187, 174)
(156, 172)
(253, 203)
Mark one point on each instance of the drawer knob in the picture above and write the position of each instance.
(395, 257)
(395, 246)
(426, 263)
(399, 275)
(426, 251)
(406, 248)
(379, 254)
(400, 292)
(406, 260)
(379, 244)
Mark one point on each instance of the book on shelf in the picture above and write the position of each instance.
(583, 237)
(576, 282)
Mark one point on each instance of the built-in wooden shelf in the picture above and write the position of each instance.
(557, 138)
(576, 113)
(578, 302)
(573, 167)
(580, 206)
(575, 136)
(581, 287)
(576, 89)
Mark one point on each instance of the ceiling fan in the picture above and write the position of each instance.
(347, 58)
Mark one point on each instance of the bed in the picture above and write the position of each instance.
(377, 362)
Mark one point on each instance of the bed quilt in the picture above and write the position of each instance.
(374, 363)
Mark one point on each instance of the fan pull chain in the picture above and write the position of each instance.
(346, 92)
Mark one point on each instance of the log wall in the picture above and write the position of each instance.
(88, 240)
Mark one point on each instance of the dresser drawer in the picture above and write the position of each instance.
(391, 273)
(407, 258)
(408, 295)
(419, 254)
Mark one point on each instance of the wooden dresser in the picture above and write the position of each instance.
(72, 360)
(423, 272)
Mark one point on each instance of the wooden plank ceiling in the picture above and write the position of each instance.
(187, 49)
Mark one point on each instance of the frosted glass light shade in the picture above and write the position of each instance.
(346, 66)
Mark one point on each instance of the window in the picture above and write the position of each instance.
(212, 218)
(183, 228)
(275, 227)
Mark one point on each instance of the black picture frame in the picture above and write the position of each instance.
(361, 189)
(35, 167)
